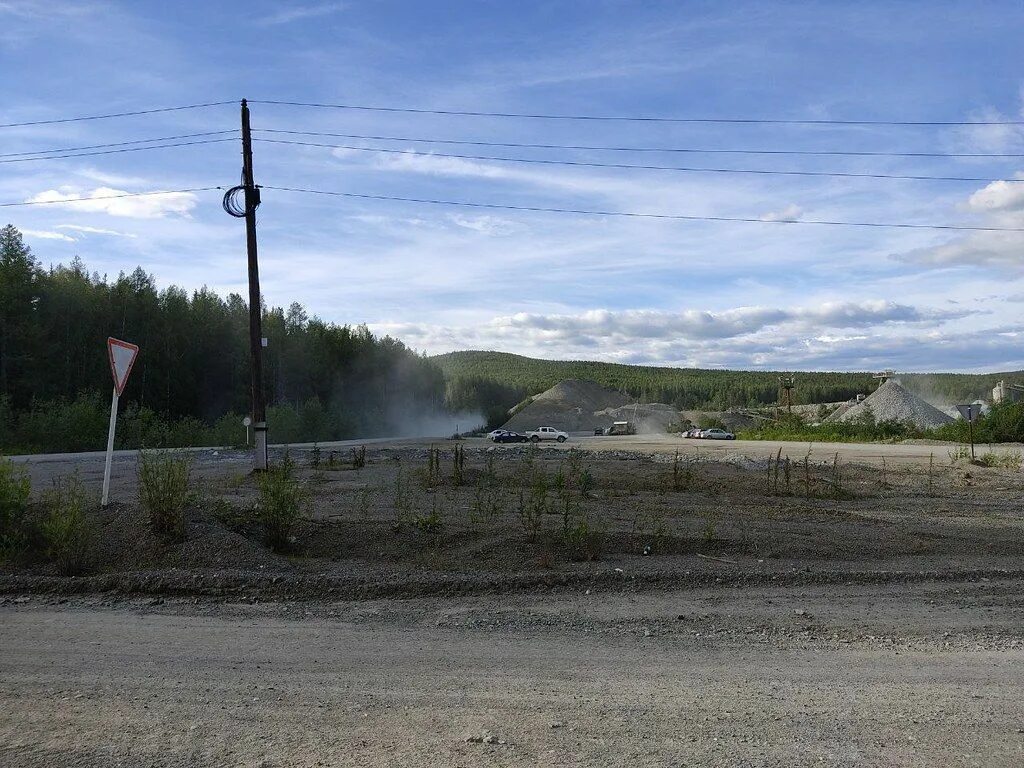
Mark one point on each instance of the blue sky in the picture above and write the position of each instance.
(745, 295)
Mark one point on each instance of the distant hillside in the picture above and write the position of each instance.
(495, 381)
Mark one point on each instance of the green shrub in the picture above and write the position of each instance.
(15, 488)
(283, 499)
(66, 528)
(584, 539)
(163, 489)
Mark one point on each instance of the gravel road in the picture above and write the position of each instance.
(894, 675)
(214, 462)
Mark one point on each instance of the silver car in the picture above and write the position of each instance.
(717, 434)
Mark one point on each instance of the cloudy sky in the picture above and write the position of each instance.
(772, 293)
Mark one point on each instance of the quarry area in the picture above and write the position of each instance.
(582, 406)
(641, 600)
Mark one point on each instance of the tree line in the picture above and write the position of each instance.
(497, 380)
(190, 384)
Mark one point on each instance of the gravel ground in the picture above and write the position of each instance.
(895, 675)
(866, 613)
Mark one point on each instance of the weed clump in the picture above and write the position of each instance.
(283, 499)
(584, 539)
(458, 466)
(66, 528)
(1005, 460)
(163, 489)
(429, 522)
(359, 457)
(15, 488)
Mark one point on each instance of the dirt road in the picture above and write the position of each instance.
(900, 675)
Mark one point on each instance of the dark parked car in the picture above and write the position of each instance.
(511, 437)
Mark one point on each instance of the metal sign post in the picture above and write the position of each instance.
(122, 356)
(970, 412)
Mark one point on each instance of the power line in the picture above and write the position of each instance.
(586, 147)
(636, 118)
(109, 197)
(633, 166)
(630, 214)
(117, 143)
(116, 114)
(117, 151)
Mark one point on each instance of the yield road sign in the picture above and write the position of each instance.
(122, 356)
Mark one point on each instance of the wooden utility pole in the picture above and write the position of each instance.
(252, 201)
(787, 383)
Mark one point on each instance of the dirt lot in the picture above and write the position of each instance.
(597, 604)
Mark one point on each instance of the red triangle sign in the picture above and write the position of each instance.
(122, 357)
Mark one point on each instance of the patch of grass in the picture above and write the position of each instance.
(163, 489)
(66, 528)
(1005, 460)
(15, 488)
(231, 517)
(283, 499)
(429, 522)
(959, 453)
(585, 539)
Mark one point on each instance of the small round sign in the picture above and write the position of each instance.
(247, 421)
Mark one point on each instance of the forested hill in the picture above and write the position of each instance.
(490, 375)
(190, 385)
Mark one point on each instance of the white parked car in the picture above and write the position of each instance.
(717, 434)
(495, 432)
(547, 433)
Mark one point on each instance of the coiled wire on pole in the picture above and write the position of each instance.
(233, 204)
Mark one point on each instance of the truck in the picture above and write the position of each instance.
(547, 433)
(621, 428)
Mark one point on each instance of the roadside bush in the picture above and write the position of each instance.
(66, 528)
(15, 488)
(163, 489)
(283, 499)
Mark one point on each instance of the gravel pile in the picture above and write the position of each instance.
(891, 402)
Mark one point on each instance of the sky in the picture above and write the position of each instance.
(771, 293)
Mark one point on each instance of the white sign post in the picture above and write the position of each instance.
(122, 357)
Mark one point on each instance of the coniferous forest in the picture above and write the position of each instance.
(190, 384)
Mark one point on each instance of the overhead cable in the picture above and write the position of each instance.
(631, 214)
(109, 197)
(134, 113)
(633, 166)
(118, 143)
(598, 148)
(636, 118)
(116, 151)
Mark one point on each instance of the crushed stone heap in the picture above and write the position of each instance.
(891, 402)
(580, 405)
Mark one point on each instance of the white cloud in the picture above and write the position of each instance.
(1001, 203)
(999, 196)
(45, 235)
(485, 225)
(742, 336)
(106, 200)
(791, 212)
(300, 13)
(1001, 250)
(95, 230)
